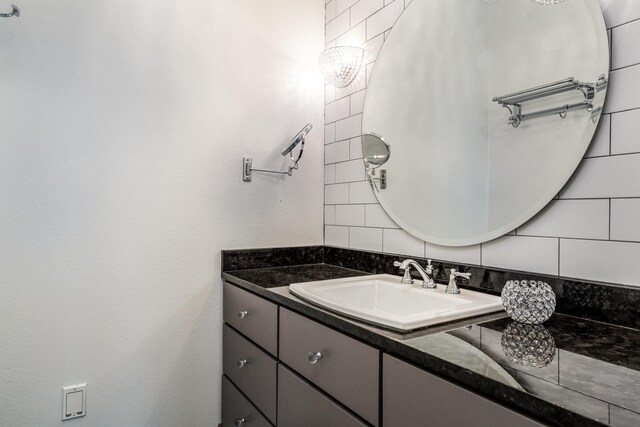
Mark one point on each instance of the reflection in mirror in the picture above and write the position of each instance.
(375, 150)
(489, 107)
(528, 345)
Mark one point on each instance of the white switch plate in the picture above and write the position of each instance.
(74, 401)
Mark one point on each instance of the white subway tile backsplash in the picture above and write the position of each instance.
(463, 254)
(330, 10)
(600, 142)
(336, 236)
(625, 47)
(400, 242)
(361, 192)
(372, 49)
(615, 262)
(330, 174)
(337, 110)
(363, 9)
(357, 102)
(600, 203)
(336, 152)
(384, 19)
(350, 171)
(330, 215)
(375, 216)
(603, 177)
(329, 93)
(533, 254)
(625, 219)
(368, 239)
(617, 12)
(624, 86)
(355, 148)
(330, 133)
(350, 215)
(336, 194)
(349, 128)
(344, 5)
(583, 219)
(356, 36)
(338, 26)
(625, 132)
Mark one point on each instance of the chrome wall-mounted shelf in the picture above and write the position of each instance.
(14, 12)
(513, 101)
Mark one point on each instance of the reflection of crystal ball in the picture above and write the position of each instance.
(528, 345)
(528, 301)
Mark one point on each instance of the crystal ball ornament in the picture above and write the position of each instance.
(528, 345)
(528, 301)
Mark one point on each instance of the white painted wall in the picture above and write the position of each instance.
(591, 232)
(123, 125)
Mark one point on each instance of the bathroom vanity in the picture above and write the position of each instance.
(290, 370)
(290, 363)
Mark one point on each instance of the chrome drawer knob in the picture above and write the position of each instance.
(242, 314)
(242, 363)
(240, 422)
(314, 357)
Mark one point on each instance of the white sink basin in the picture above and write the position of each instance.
(384, 301)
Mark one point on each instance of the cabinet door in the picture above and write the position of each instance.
(300, 405)
(413, 397)
(237, 411)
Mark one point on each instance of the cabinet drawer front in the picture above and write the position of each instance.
(410, 396)
(300, 405)
(235, 407)
(252, 370)
(347, 369)
(255, 317)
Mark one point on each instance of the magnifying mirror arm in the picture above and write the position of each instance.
(247, 165)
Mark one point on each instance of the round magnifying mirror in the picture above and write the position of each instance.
(375, 150)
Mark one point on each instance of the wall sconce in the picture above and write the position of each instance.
(341, 64)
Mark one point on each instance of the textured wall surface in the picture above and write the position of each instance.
(591, 232)
(123, 129)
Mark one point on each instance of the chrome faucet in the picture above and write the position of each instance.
(452, 288)
(427, 274)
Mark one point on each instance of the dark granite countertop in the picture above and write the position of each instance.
(587, 374)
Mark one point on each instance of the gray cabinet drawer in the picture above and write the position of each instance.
(252, 370)
(255, 317)
(300, 405)
(348, 369)
(413, 397)
(235, 407)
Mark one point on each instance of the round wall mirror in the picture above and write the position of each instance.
(488, 106)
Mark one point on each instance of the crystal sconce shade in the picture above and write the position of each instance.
(341, 64)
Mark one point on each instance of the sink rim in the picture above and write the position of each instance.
(487, 304)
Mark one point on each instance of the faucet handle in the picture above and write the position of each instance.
(458, 274)
(452, 287)
(429, 266)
